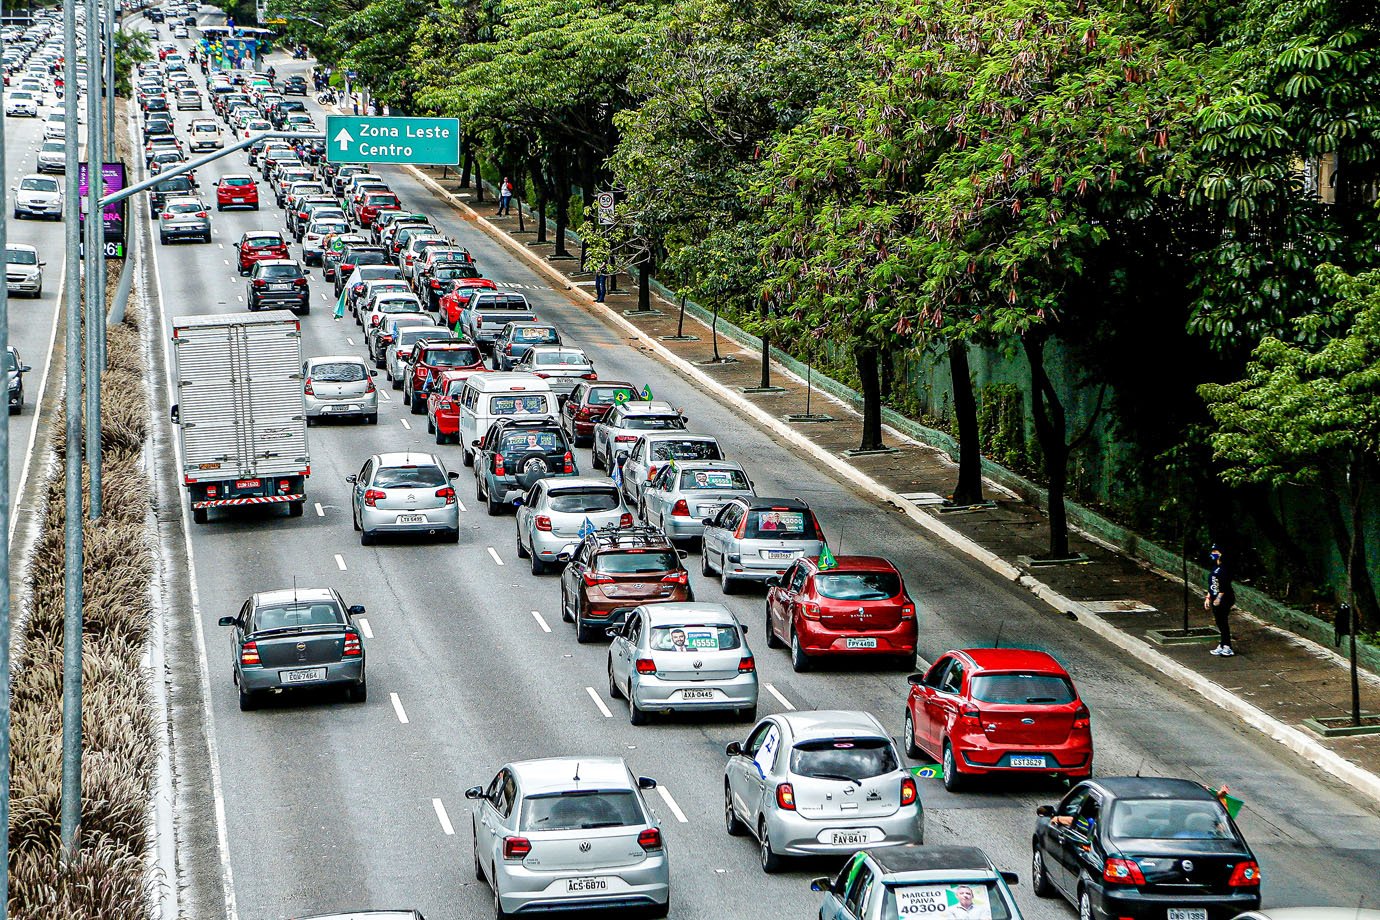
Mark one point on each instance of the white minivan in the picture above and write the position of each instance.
(489, 397)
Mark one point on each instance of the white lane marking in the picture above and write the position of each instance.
(598, 702)
(349, 340)
(460, 504)
(320, 512)
(364, 627)
(671, 804)
(493, 552)
(779, 697)
(226, 261)
(540, 621)
(398, 708)
(222, 246)
(240, 298)
(443, 817)
(405, 423)
(386, 397)
(340, 562)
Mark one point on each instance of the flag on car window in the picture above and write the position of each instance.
(1230, 802)
(928, 771)
(826, 558)
(621, 397)
(586, 528)
(647, 392)
(617, 475)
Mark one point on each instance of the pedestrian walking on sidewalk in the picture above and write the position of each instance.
(1220, 598)
(601, 282)
(505, 197)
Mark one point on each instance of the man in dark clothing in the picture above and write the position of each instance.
(1219, 599)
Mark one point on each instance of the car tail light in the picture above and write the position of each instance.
(650, 839)
(1245, 875)
(1122, 872)
(307, 388)
(386, 339)
(542, 376)
(259, 282)
(352, 649)
(908, 612)
(583, 413)
(809, 610)
(680, 509)
(284, 486)
(651, 472)
(646, 666)
(167, 216)
(369, 385)
(747, 664)
(569, 462)
(499, 469)
(444, 404)
(785, 797)
(542, 522)
(626, 520)
(591, 580)
(908, 791)
(435, 285)
(972, 715)
(249, 655)
(373, 495)
(590, 376)
(677, 578)
(447, 493)
(624, 438)
(200, 213)
(516, 847)
(1081, 717)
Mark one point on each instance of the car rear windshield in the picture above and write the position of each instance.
(858, 586)
(450, 357)
(289, 616)
(583, 810)
(279, 271)
(381, 199)
(637, 561)
(398, 305)
(696, 480)
(367, 258)
(259, 242)
(974, 901)
(379, 273)
(21, 257)
(847, 758)
(714, 637)
(329, 226)
(184, 207)
(653, 422)
(562, 359)
(207, 127)
(607, 396)
(501, 303)
(338, 372)
(780, 524)
(518, 405)
(237, 180)
(1166, 819)
(1021, 689)
(686, 450)
(583, 501)
(451, 272)
(518, 442)
(413, 336)
(404, 477)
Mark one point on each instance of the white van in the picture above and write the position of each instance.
(488, 397)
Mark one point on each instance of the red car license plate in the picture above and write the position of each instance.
(248, 483)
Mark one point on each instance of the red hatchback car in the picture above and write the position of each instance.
(257, 245)
(443, 406)
(988, 711)
(374, 202)
(859, 606)
(461, 292)
(237, 191)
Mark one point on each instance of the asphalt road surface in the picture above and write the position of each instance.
(333, 806)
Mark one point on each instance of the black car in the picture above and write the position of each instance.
(172, 187)
(295, 85)
(435, 282)
(280, 110)
(516, 452)
(1147, 848)
(15, 371)
(279, 283)
(353, 257)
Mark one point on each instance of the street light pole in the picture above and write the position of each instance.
(109, 88)
(4, 566)
(95, 248)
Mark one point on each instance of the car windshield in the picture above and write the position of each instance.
(450, 357)
(855, 758)
(780, 524)
(1161, 819)
(695, 480)
(971, 901)
(290, 616)
(607, 396)
(339, 372)
(715, 637)
(1021, 689)
(582, 810)
(637, 561)
(54, 146)
(11, 363)
(653, 422)
(518, 442)
(407, 477)
(583, 501)
(21, 257)
(39, 185)
(184, 207)
(858, 586)
(562, 359)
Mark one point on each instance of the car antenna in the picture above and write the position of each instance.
(577, 771)
(996, 643)
(1139, 767)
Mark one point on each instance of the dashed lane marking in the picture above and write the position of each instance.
(780, 698)
(444, 818)
(494, 553)
(364, 627)
(536, 614)
(398, 708)
(405, 423)
(599, 703)
(340, 562)
(671, 804)
(320, 512)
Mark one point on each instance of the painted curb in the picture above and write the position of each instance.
(1295, 740)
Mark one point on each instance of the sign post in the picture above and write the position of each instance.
(605, 200)
(418, 141)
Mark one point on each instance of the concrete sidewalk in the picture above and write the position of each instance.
(1276, 680)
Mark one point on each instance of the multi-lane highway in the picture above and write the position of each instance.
(329, 806)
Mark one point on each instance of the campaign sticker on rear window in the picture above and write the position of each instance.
(781, 521)
(944, 901)
(517, 405)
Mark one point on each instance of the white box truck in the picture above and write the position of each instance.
(240, 413)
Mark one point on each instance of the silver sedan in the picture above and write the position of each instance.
(559, 365)
(570, 833)
(551, 515)
(669, 657)
(686, 492)
(404, 493)
(339, 385)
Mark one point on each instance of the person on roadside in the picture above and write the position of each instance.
(601, 282)
(1220, 598)
(505, 197)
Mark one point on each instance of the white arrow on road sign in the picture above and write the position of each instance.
(344, 139)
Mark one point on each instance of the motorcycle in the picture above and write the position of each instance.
(326, 97)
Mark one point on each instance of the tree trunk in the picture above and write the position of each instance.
(865, 357)
(1051, 428)
(478, 181)
(468, 167)
(1336, 495)
(539, 183)
(644, 282)
(562, 208)
(968, 491)
(519, 187)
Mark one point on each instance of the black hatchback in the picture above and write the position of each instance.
(1147, 848)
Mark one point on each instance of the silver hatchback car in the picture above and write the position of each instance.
(752, 539)
(404, 493)
(671, 657)
(570, 833)
(559, 365)
(820, 783)
(554, 512)
(184, 218)
(339, 385)
(685, 492)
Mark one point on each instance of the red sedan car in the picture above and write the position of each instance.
(459, 296)
(859, 606)
(443, 405)
(237, 191)
(257, 245)
(432, 358)
(988, 711)
(370, 206)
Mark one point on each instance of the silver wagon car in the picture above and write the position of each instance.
(817, 783)
(752, 539)
(569, 833)
(404, 493)
(682, 494)
(554, 511)
(669, 657)
(339, 385)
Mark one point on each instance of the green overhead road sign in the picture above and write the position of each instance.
(419, 141)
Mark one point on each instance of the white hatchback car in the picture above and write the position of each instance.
(570, 833)
(38, 196)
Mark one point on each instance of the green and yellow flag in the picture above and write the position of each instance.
(826, 559)
(928, 771)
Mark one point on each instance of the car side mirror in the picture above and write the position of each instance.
(373, 373)
(474, 792)
(773, 581)
(452, 474)
(1011, 878)
(562, 557)
(682, 553)
(646, 782)
(1044, 811)
(915, 680)
(229, 621)
(613, 632)
(733, 749)
(820, 884)
(356, 610)
(237, 245)
(744, 627)
(352, 478)
(474, 443)
(707, 522)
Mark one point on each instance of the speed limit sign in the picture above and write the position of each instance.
(605, 200)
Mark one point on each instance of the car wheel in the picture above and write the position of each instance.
(466, 457)
(582, 633)
(220, 207)
(636, 715)
(163, 239)
(295, 509)
(200, 515)
(771, 863)
(418, 406)
(799, 660)
(358, 693)
(440, 438)
(493, 507)
(614, 692)
(726, 584)
(658, 911)
(912, 749)
(521, 550)
(735, 827)
(431, 428)
(748, 714)
(772, 640)
(538, 565)
(367, 537)
(1039, 879)
(478, 867)
(397, 383)
(355, 521)
(1085, 910)
(452, 536)
(565, 610)
(249, 701)
(407, 397)
(372, 418)
(705, 569)
(953, 780)
(499, 912)
(594, 459)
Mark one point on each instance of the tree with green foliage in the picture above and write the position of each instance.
(132, 49)
(375, 41)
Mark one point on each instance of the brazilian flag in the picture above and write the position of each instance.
(647, 392)
(928, 771)
(826, 559)
(621, 397)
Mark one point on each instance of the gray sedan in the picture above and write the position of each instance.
(559, 365)
(404, 493)
(339, 385)
(184, 218)
(23, 269)
(669, 657)
(686, 492)
(552, 513)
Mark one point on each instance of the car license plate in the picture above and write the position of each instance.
(859, 643)
(247, 483)
(849, 837)
(697, 694)
(345, 408)
(280, 287)
(412, 519)
(709, 510)
(302, 676)
(583, 885)
(1188, 913)
(1040, 762)
(780, 554)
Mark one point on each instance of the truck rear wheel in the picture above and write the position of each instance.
(295, 509)
(199, 515)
